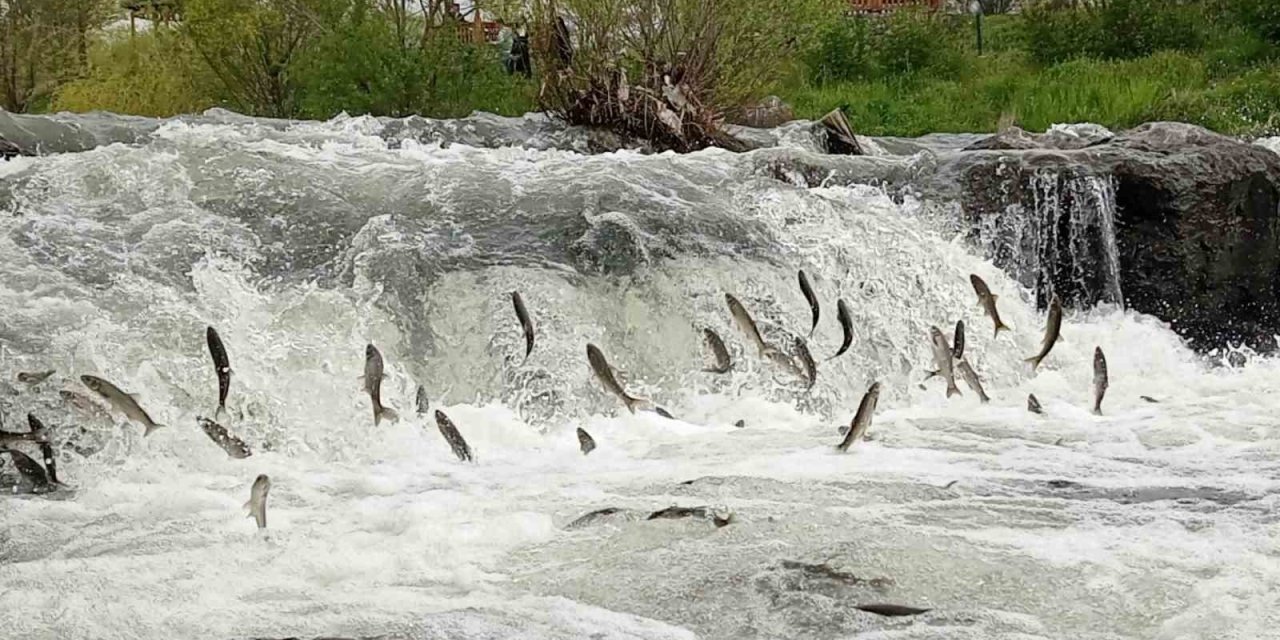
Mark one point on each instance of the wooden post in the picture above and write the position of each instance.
(475, 6)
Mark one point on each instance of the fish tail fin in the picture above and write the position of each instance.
(1097, 411)
(952, 389)
(1000, 326)
(1035, 362)
(929, 375)
(152, 427)
(637, 403)
(221, 413)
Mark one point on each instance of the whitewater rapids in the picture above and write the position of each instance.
(301, 243)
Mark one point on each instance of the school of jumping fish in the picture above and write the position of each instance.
(40, 476)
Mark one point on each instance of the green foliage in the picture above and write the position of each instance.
(1117, 94)
(1261, 17)
(919, 42)
(152, 74)
(44, 43)
(385, 63)
(904, 43)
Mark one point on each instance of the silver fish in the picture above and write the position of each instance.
(1100, 381)
(957, 343)
(29, 469)
(1149, 399)
(1033, 405)
(585, 441)
(845, 316)
(451, 435)
(861, 420)
(235, 447)
(748, 326)
(604, 373)
(807, 289)
(1051, 331)
(971, 379)
(221, 368)
(125, 403)
(423, 402)
(34, 377)
(526, 322)
(942, 360)
(257, 504)
(806, 359)
(373, 385)
(988, 302)
(718, 351)
(664, 413)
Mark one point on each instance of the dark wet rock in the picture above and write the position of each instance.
(1193, 215)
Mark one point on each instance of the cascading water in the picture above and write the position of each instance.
(1057, 236)
(303, 242)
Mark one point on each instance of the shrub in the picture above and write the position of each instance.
(1054, 34)
(665, 70)
(1259, 16)
(918, 42)
(845, 50)
(151, 74)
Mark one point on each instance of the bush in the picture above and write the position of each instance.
(907, 43)
(152, 74)
(918, 42)
(1259, 16)
(845, 50)
(1111, 29)
(386, 64)
(665, 70)
(1053, 34)
(1135, 28)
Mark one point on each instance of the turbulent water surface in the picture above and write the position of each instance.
(303, 242)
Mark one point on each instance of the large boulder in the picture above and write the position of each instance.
(1193, 215)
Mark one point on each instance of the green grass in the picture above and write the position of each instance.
(1117, 94)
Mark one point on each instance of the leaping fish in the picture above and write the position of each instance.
(257, 504)
(845, 316)
(942, 360)
(971, 379)
(451, 435)
(988, 302)
(748, 326)
(604, 373)
(235, 447)
(1051, 331)
(718, 351)
(1100, 381)
(221, 367)
(373, 385)
(861, 420)
(526, 322)
(807, 289)
(125, 403)
(585, 441)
